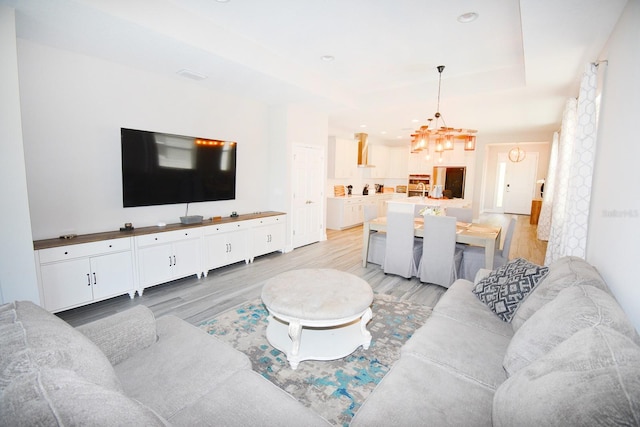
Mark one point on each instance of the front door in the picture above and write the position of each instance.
(308, 173)
(519, 183)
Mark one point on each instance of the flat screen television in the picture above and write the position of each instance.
(160, 168)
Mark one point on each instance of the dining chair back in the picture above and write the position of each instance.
(473, 257)
(441, 258)
(403, 250)
(461, 214)
(377, 240)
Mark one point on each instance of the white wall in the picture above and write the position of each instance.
(614, 224)
(72, 115)
(289, 125)
(17, 269)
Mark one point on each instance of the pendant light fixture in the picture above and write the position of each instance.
(517, 154)
(443, 137)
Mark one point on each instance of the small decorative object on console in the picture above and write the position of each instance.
(234, 214)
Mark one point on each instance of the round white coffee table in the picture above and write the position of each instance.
(317, 314)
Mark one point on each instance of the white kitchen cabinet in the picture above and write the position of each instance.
(418, 163)
(167, 256)
(398, 163)
(346, 212)
(379, 157)
(343, 158)
(74, 275)
(225, 244)
(268, 235)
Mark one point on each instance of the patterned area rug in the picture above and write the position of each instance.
(334, 389)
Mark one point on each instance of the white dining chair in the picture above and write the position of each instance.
(441, 258)
(403, 250)
(377, 239)
(461, 214)
(473, 257)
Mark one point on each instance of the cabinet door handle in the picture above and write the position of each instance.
(94, 278)
(174, 260)
(170, 264)
(88, 280)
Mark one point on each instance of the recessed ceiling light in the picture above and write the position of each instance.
(363, 126)
(327, 58)
(384, 132)
(467, 17)
(222, 1)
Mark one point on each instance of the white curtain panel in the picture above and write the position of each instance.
(576, 156)
(544, 221)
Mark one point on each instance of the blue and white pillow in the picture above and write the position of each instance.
(506, 287)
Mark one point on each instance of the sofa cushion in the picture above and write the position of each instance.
(61, 397)
(184, 364)
(592, 378)
(247, 399)
(504, 288)
(417, 392)
(575, 308)
(122, 334)
(461, 304)
(460, 348)
(32, 339)
(567, 271)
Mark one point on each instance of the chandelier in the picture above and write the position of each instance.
(443, 137)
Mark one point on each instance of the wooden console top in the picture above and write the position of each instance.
(95, 237)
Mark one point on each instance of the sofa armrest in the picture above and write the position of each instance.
(481, 274)
(121, 335)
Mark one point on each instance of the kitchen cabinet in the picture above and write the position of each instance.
(268, 235)
(342, 158)
(225, 244)
(74, 275)
(346, 212)
(398, 163)
(379, 157)
(167, 256)
(418, 163)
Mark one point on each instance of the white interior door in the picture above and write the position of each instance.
(519, 183)
(308, 173)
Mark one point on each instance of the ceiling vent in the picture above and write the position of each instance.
(190, 74)
(363, 150)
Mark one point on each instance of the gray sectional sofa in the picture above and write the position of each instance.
(130, 370)
(569, 357)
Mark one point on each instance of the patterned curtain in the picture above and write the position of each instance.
(574, 172)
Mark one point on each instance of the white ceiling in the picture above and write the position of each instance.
(508, 74)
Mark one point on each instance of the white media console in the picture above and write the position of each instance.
(94, 267)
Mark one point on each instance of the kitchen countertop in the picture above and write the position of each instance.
(393, 195)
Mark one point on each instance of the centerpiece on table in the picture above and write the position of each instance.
(431, 210)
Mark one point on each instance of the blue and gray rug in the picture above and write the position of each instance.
(334, 389)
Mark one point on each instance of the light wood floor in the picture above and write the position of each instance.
(197, 300)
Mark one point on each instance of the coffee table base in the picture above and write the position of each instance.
(301, 341)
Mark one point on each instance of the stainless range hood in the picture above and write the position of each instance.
(363, 150)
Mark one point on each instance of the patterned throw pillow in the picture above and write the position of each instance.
(504, 289)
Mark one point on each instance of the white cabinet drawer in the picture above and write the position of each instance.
(168, 237)
(270, 220)
(62, 253)
(224, 228)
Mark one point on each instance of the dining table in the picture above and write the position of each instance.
(485, 235)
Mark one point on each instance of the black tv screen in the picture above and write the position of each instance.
(160, 168)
